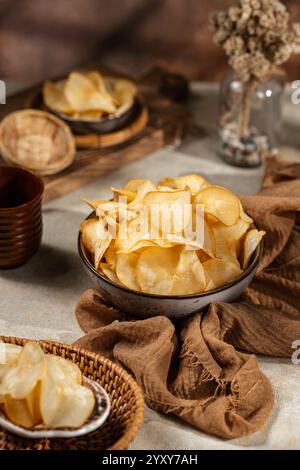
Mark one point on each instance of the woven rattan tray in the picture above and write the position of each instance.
(127, 404)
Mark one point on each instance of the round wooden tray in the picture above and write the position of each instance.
(114, 138)
(36, 140)
(137, 123)
(126, 400)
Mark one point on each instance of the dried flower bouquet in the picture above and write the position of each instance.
(257, 37)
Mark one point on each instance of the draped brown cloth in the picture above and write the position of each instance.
(204, 369)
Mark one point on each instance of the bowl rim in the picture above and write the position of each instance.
(255, 261)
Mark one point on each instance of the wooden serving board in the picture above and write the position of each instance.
(167, 122)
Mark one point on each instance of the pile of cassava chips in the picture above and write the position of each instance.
(89, 96)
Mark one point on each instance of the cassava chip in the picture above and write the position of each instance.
(211, 220)
(54, 97)
(101, 85)
(51, 386)
(209, 244)
(21, 378)
(130, 195)
(110, 255)
(71, 403)
(94, 203)
(88, 96)
(170, 211)
(142, 244)
(124, 93)
(219, 203)
(245, 216)
(189, 276)
(194, 182)
(136, 188)
(219, 272)
(251, 242)
(133, 232)
(18, 412)
(135, 184)
(40, 389)
(108, 272)
(9, 353)
(228, 239)
(75, 405)
(88, 229)
(144, 188)
(156, 268)
(83, 96)
(70, 371)
(202, 256)
(126, 270)
(32, 401)
(133, 246)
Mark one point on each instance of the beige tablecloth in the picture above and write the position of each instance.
(38, 300)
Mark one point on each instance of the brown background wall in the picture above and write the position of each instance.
(42, 38)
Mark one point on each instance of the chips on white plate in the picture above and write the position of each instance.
(40, 389)
(219, 203)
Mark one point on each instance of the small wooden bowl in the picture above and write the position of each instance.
(101, 126)
(36, 140)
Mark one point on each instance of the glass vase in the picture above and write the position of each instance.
(250, 119)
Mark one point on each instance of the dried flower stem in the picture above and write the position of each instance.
(245, 107)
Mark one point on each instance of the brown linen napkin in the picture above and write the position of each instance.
(196, 369)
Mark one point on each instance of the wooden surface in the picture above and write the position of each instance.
(167, 123)
(114, 138)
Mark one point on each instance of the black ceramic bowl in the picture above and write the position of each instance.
(104, 125)
(143, 305)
